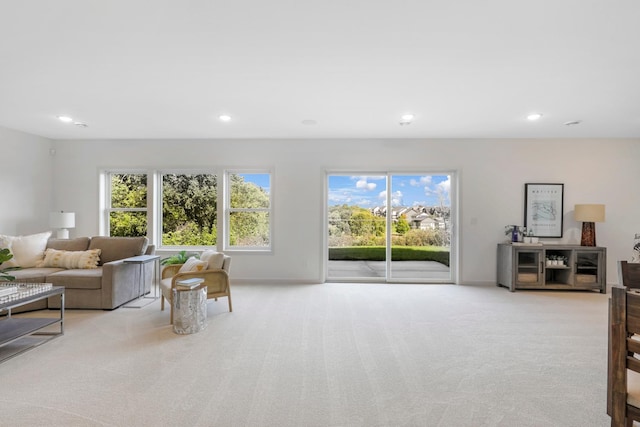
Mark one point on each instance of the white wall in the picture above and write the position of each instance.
(26, 182)
(492, 174)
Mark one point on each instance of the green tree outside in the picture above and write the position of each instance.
(189, 209)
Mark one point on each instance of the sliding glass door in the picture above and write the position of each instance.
(390, 227)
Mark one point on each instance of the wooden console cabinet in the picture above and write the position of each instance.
(523, 266)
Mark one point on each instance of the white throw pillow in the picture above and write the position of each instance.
(27, 250)
(71, 259)
(192, 264)
(213, 259)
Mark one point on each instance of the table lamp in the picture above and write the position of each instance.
(62, 221)
(589, 215)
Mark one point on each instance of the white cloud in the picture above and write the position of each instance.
(445, 185)
(363, 184)
(396, 198)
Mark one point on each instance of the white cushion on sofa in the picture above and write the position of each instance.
(27, 250)
(71, 259)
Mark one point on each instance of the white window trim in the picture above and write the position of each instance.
(227, 210)
(158, 207)
(105, 192)
(154, 205)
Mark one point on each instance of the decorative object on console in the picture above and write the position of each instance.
(589, 215)
(512, 231)
(62, 221)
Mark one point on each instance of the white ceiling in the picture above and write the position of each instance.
(465, 68)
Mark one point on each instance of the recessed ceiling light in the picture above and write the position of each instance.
(225, 118)
(406, 119)
(534, 116)
(65, 119)
(80, 124)
(573, 122)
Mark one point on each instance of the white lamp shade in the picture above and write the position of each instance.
(62, 219)
(589, 213)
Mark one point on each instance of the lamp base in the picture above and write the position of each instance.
(588, 234)
(63, 233)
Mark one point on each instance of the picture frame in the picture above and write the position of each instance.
(544, 209)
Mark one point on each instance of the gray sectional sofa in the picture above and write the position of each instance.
(109, 286)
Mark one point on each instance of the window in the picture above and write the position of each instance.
(179, 208)
(189, 209)
(248, 202)
(127, 204)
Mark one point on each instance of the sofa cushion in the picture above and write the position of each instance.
(116, 248)
(77, 279)
(71, 259)
(77, 244)
(33, 275)
(27, 250)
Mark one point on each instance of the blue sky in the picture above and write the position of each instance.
(260, 179)
(407, 190)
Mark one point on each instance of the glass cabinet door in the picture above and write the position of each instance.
(586, 268)
(528, 267)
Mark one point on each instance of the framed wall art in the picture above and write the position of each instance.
(544, 209)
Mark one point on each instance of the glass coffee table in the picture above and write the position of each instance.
(19, 334)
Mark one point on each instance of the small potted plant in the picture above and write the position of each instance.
(6, 255)
(179, 258)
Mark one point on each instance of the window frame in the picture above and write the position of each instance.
(158, 225)
(107, 199)
(155, 204)
(227, 247)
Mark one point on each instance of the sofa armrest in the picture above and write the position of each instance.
(122, 282)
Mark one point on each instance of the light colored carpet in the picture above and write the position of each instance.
(325, 355)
